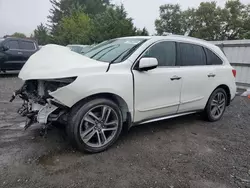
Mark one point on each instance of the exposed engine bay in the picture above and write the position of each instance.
(38, 105)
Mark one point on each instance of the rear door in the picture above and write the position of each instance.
(13, 56)
(197, 77)
(28, 48)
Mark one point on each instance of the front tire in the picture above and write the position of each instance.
(95, 125)
(216, 105)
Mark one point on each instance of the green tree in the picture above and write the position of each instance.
(62, 8)
(208, 21)
(143, 32)
(41, 34)
(74, 29)
(171, 20)
(236, 16)
(18, 35)
(111, 24)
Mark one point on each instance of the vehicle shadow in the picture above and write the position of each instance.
(169, 124)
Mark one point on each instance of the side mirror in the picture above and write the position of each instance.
(147, 63)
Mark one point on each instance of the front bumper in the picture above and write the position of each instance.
(36, 107)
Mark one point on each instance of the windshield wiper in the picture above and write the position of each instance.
(107, 52)
(129, 51)
(103, 50)
(119, 55)
(133, 49)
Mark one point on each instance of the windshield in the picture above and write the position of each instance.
(115, 50)
(76, 48)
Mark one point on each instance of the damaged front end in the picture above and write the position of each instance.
(38, 105)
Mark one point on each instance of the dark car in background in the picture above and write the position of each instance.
(14, 52)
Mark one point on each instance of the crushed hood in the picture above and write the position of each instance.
(54, 61)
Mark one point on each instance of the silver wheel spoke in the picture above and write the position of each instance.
(110, 129)
(219, 96)
(221, 106)
(213, 111)
(89, 119)
(104, 109)
(218, 111)
(105, 113)
(87, 137)
(99, 139)
(115, 123)
(222, 101)
(214, 102)
(94, 116)
(107, 116)
(103, 137)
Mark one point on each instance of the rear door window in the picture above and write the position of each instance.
(212, 58)
(27, 45)
(191, 55)
(164, 52)
(12, 44)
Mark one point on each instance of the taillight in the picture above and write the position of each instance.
(234, 72)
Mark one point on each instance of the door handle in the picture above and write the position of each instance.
(20, 53)
(211, 75)
(175, 78)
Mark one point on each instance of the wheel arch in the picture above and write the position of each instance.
(227, 90)
(126, 115)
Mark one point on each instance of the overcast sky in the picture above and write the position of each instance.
(24, 15)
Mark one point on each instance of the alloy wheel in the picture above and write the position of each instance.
(99, 126)
(218, 105)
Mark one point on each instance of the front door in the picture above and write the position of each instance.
(157, 91)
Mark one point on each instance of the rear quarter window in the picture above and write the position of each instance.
(27, 45)
(212, 58)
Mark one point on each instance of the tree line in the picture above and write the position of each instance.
(208, 21)
(93, 21)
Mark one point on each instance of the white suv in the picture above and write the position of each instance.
(124, 82)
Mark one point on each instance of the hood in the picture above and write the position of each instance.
(54, 61)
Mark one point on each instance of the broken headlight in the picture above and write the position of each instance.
(54, 84)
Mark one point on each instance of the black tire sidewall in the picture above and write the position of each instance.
(208, 107)
(75, 120)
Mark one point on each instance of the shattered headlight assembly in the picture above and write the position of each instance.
(38, 90)
(52, 85)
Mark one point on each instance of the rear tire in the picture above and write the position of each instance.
(216, 105)
(95, 125)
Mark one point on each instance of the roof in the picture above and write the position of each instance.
(177, 37)
(27, 39)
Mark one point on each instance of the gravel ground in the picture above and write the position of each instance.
(179, 153)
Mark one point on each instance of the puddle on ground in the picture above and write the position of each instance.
(22, 125)
(46, 160)
(11, 137)
(60, 158)
(12, 126)
(5, 125)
